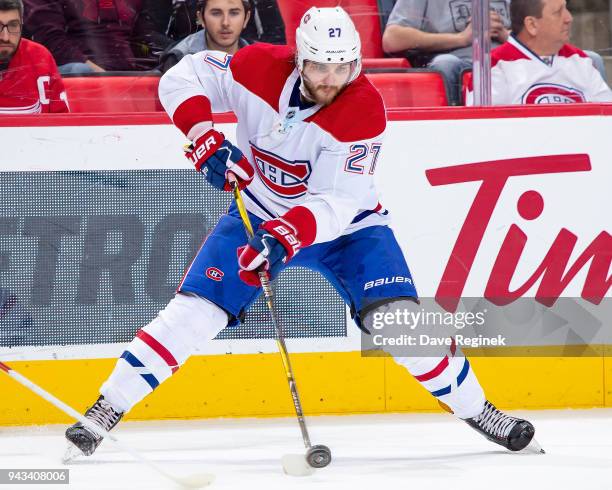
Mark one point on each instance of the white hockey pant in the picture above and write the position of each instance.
(161, 347)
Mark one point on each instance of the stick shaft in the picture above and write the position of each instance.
(280, 336)
(85, 421)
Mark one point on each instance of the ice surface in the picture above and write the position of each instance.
(374, 452)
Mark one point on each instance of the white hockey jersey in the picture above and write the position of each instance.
(321, 158)
(519, 76)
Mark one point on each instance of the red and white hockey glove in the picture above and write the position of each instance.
(215, 156)
(275, 243)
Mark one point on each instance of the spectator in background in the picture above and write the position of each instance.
(537, 65)
(266, 24)
(440, 34)
(223, 21)
(162, 23)
(85, 36)
(29, 80)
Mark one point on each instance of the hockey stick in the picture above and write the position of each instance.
(317, 456)
(192, 481)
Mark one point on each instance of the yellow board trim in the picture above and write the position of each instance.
(253, 385)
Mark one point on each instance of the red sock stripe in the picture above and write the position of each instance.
(442, 365)
(159, 349)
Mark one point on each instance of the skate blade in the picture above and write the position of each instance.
(72, 453)
(534, 447)
(296, 465)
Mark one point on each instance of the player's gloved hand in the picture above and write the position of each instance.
(214, 156)
(273, 245)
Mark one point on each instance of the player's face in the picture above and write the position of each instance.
(554, 27)
(224, 21)
(324, 81)
(10, 23)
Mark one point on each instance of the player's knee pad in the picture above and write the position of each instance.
(393, 317)
(161, 347)
(186, 323)
(369, 317)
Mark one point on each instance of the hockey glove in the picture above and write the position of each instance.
(214, 156)
(273, 245)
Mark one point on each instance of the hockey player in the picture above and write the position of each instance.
(29, 80)
(309, 134)
(537, 65)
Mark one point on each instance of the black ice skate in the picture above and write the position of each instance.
(512, 433)
(85, 441)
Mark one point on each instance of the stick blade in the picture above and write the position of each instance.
(197, 480)
(296, 465)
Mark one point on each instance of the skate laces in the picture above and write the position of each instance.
(495, 422)
(103, 414)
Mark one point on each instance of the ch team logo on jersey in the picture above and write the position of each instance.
(214, 274)
(550, 93)
(287, 179)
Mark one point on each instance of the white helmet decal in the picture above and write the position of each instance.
(328, 35)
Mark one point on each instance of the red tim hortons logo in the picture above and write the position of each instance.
(555, 271)
(550, 93)
(214, 274)
(287, 179)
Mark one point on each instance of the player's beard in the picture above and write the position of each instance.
(321, 94)
(8, 50)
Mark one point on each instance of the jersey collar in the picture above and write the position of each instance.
(290, 105)
(529, 53)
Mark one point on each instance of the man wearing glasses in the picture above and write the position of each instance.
(29, 80)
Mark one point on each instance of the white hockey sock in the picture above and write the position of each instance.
(160, 348)
(450, 378)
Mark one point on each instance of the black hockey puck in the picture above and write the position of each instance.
(318, 456)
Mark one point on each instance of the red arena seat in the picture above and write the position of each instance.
(383, 63)
(417, 88)
(364, 13)
(466, 82)
(113, 94)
